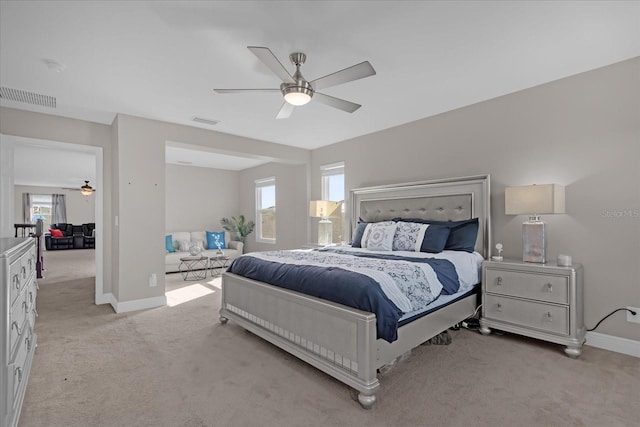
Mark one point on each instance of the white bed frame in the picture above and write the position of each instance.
(340, 340)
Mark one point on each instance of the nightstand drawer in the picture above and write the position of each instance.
(542, 287)
(530, 314)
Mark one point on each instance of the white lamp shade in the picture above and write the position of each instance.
(534, 200)
(322, 208)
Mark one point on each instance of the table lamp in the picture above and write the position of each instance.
(534, 200)
(323, 209)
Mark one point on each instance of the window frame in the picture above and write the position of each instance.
(260, 184)
(326, 172)
(35, 203)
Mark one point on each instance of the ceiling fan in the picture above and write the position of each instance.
(297, 90)
(86, 189)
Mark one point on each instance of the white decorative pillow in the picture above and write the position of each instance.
(381, 235)
(183, 245)
(198, 243)
(409, 236)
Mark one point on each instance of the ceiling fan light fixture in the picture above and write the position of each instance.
(297, 98)
(86, 189)
(298, 93)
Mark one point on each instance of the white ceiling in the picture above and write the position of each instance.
(161, 59)
(52, 164)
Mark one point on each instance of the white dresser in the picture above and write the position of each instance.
(541, 301)
(17, 320)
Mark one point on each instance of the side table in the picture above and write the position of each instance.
(542, 301)
(194, 268)
(218, 264)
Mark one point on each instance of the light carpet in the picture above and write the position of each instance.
(178, 366)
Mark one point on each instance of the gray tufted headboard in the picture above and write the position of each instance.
(443, 200)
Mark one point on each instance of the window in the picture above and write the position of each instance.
(266, 210)
(41, 209)
(333, 189)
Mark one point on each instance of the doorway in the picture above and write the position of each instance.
(94, 167)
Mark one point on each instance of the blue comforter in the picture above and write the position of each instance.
(386, 285)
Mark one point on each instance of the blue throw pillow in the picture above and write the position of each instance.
(462, 234)
(168, 243)
(214, 238)
(357, 235)
(435, 239)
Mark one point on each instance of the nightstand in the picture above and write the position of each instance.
(542, 301)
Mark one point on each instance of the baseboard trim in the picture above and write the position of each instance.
(104, 299)
(612, 343)
(139, 304)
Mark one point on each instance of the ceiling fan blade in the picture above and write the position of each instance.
(355, 72)
(269, 59)
(285, 111)
(244, 90)
(338, 103)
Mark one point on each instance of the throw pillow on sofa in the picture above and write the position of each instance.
(56, 233)
(183, 245)
(216, 240)
(168, 243)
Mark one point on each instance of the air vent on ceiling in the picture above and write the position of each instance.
(206, 121)
(27, 97)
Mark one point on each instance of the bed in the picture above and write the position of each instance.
(343, 341)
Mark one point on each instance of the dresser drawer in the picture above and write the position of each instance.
(529, 314)
(17, 319)
(18, 369)
(542, 287)
(16, 280)
(28, 261)
(30, 295)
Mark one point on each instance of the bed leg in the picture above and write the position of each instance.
(223, 320)
(366, 401)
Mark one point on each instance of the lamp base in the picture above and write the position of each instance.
(325, 232)
(534, 244)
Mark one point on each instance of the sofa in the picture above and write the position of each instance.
(70, 236)
(178, 244)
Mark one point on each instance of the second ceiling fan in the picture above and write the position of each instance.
(297, 90)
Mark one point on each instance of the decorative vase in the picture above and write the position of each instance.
(195, 250)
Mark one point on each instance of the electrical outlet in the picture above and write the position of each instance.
(153, 280)
(631, 317)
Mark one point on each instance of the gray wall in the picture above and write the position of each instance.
(292, 217)
(198, 198)
(582, 132)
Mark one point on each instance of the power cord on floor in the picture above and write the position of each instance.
(605, 317)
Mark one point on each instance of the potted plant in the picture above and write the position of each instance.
(238, 226)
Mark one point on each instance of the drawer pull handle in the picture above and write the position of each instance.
(549, 287)
(548, 317)
(27, 341)
(24, 272)
(25, 306)
(16, 281)
(35, 312)
(18, 372)
(30, 297)
(498, 307)
(15, 324)
(37, 286)
(499, 281)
